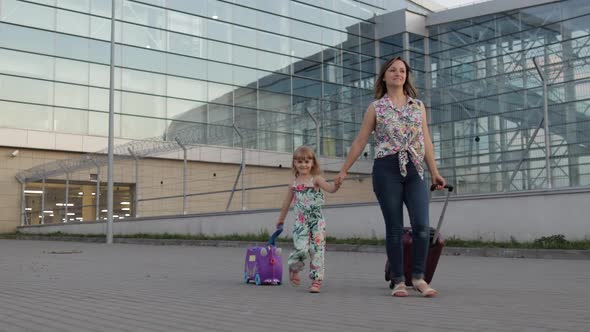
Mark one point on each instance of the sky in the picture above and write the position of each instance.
(455, 3)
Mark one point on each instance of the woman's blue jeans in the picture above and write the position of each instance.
(392, 191)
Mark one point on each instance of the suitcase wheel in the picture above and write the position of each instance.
(246, 279)
(257, 279)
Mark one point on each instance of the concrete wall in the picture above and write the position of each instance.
(524, 217)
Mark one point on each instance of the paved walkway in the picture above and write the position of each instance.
(66, 286)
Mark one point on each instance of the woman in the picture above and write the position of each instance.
(402, 144)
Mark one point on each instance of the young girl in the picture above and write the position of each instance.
(309, 231)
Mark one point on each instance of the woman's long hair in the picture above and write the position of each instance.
(380, 86)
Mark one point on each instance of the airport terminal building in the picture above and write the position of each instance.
(212, 96)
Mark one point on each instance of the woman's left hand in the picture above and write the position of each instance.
(439, 181)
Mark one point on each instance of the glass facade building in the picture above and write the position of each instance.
(265, 73)
(196, 67)
(487, 98)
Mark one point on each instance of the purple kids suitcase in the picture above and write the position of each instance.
(264, 264)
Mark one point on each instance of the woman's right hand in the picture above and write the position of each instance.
(340, 178)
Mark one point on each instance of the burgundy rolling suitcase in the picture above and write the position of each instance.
(434, 250)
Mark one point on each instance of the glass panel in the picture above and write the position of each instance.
(245, 97)
(221, 93)
(187, 45)
(273, 62)
(26, 116)
(27, 39)
(244, 56)
(99, 75)
(98, 124)
(186, 66)
(71, 95)
(70, 121)
(274, 101)
(274, 82)
(72, 47)
(134, 80)
(71, 71)
(306, 50)
(98, 99)
(144, 37)
(27, 90)
(139, 128)
(101, 7)
(72, 23)
(269, 22)
(186, 88)
(78, 5)
(244, 16)
(219, 31)
(219, 10)
(245, 76)
(220, 72)
(145, 15)
(25, 64)
(274, 43)
(100, 28)
(308, 69)
(186, 110)
(141, 58)
(186, 23)
(145, 105)
(27, 14)
(219, 51)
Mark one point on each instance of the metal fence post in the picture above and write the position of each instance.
(136, 158)
(183, 174)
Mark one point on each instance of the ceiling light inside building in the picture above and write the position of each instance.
(33, 191)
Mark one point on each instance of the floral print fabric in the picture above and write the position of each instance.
(309, 231)
(400, 131)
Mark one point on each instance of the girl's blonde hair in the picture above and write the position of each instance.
(305, 152)
(381, 87)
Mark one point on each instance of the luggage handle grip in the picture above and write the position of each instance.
(274, 235)
(447, 186)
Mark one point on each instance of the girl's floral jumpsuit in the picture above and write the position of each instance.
(309, 231)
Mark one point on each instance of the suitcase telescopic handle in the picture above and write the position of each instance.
(447, 186)
(444, 209)
(274, 235)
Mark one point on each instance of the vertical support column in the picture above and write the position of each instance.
(572, 130)
(183, 174)
(406, 45)
(111, 139)
(136, 196)
(546, 127)
(67, 196)
(43, 201)
(317, 130)
(22, 202)
(97, 195)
